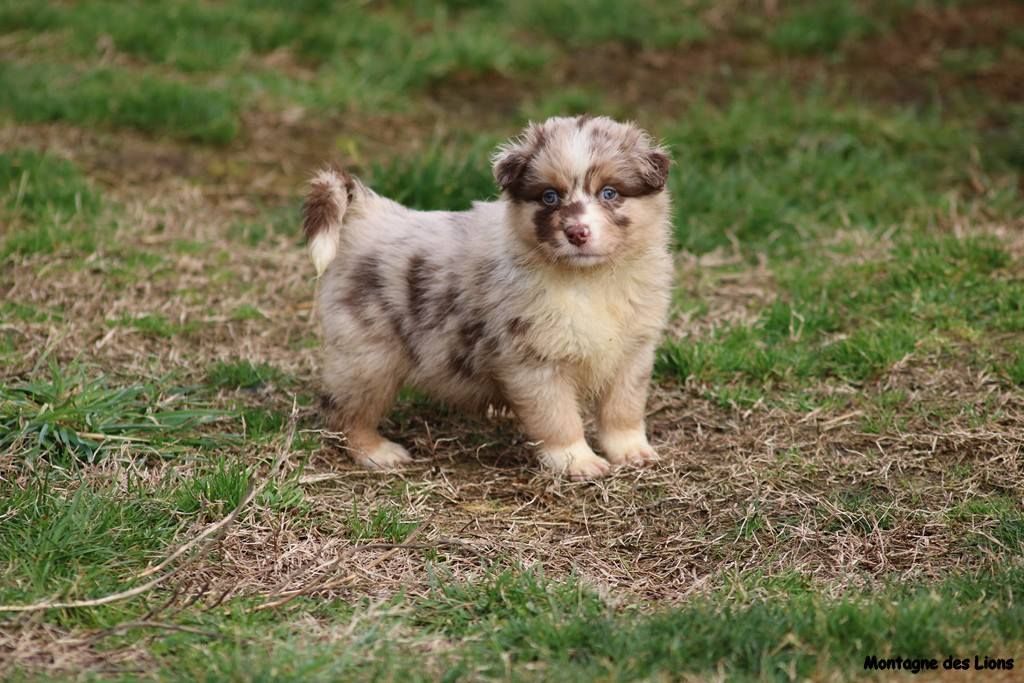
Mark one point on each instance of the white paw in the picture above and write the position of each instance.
(627, 448)
(577, 461)
(385, 456)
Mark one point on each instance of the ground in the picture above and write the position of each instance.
(839, 400)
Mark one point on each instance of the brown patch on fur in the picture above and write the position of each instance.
(647, 175)
(484, 271)
(511, 169)
(418, 278)
(470, 333)
(517, 327)
(447, 302)
(549, 220)
(545, 224)
(461, 363)
(621, 220)
(365, 283)
(320, 208)
(327, 404)
(573, 209)
(491, 346)
(408, 342)
(657, 175)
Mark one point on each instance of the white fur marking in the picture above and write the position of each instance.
(323, 248)
(387, 455)
(576, 460)
(628, 446)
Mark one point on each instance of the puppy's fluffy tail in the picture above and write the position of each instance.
(330, 192)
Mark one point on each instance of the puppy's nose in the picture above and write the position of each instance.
(578, 234)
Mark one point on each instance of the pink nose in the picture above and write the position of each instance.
(578, 234)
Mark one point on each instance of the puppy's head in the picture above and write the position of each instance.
(584, 191)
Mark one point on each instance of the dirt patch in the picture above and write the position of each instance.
(927, 54)
(932, 53)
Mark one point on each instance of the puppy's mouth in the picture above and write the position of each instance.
(584, 259)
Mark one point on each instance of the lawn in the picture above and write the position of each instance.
(838, 400)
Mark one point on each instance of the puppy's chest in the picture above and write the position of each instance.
(587, 324)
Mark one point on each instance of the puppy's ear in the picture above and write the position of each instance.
(513, 158)
(509, 164)
(654, 167)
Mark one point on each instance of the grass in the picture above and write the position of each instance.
(384, 523)
(71, 416)
(437, 179)
(643, 24)
(220, 489)
(276, 224)
(821, 27)
(47, 201)
(771, 169)
(517, 623)
(242, 374)
(525, 619)
(851, 323)
(837, 402)
(361, 56)
(106, 96)
(86, 541)
(153, 325)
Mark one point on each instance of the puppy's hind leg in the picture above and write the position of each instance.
(360, 389)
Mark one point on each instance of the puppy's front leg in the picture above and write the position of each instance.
(546, 404)
(620, 417)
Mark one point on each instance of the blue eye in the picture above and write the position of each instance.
(550, 197)
(609, 193)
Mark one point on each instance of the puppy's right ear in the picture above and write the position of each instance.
(513, 158)
(509, 165)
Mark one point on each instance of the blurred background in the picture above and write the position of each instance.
(783, 114)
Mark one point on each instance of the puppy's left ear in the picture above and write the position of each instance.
(654, 168)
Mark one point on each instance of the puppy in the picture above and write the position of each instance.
(552, 296)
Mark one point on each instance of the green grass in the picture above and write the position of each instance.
(772, 169)
(852, 322)
(71, 416)
(371, 57)
(517, 624)
(154, 325)
(247, 312)
(217, 490)
(587, 22)
(443, 177)
(384, 523)
(1014, 368)
(275, 224)
(821, 27)
(262, 423)
(15, 310)
(111, 97)
(48, 203)
(243, 374)
(569, 102)
(80, 542)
